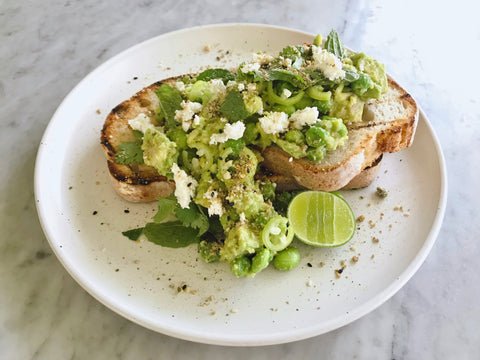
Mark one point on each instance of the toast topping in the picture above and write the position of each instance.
(203, 136)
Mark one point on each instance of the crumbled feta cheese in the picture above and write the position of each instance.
(242, 218)
(250, 67)
(217, 87)
(141, 123)
(230, 131)
(262, 58)
(274, 122)
(285, 61)
(327, 63)
(196, 120)
(252, 87)
(241, 86)
(180, 85)
(306, 116)
(184, 186)
(184, 116)
(216, 206)
(286, 93)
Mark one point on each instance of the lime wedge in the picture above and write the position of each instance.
(321, 219)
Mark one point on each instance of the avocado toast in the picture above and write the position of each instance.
(314, 117)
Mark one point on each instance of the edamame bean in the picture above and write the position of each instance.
(287, 259)
(241, 266)
(261, 260)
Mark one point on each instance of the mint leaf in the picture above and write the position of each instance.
(294, 54)
(170, 100)
(233, 107)
(138, 135)
(287, 76)
(211, 74)
(334, 45)
(133, 234)
(192, 217)
(171, 234)
(129, 152)
(166, 206)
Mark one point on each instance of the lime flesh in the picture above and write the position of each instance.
(321, 219)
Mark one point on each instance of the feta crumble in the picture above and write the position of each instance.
(327, 63)
(274, 122)
(180, 86)
(141, 123)
(216, 206)
(250, 67)
(306, 116)
(184, 186)
(184, 116)
(262, 58)
(230, 131)
(217, 87)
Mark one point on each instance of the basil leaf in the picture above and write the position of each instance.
(192, 217)
(287, 76)
(170, 100)
(166, 206)
(211, 74)
(171, 234)
(334, 45)
(233, 108)
(129, 152)
(294, 54)
(133, 234)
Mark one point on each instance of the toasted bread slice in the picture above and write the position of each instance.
(288, 183)
(389, 125)
(139, 183)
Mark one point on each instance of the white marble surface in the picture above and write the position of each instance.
(431, 47)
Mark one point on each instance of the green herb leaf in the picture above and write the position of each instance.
(166, 206)
(193, 217)
(133, 234)
(138, 135)
(295, 54)
(170, 100)
(211, 74)
(287, 76)
(171, 234)
(334, 45)
(233, 107)
(129, 152)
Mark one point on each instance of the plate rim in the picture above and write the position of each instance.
(277, 338)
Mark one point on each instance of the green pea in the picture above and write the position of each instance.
(315, 136)
(241, 266)
(362, 84)
(294, 136)
(209, 251)
(261, 260)
(287, 259)
(316, 154)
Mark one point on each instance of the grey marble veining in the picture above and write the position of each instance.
(48, 47)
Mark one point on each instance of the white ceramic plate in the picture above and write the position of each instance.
(83, 218)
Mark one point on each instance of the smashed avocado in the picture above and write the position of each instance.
(209, 130)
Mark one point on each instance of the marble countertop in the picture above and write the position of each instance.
(430, 47)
